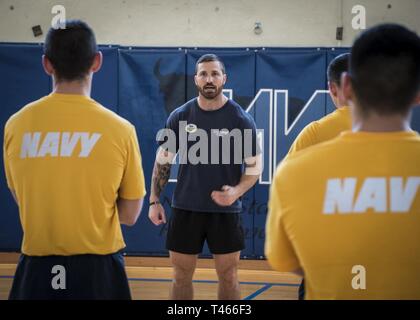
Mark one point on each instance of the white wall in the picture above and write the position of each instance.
(207, 22)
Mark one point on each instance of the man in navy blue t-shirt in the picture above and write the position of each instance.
(216, 143)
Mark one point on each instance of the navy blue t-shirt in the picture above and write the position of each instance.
(211, 147)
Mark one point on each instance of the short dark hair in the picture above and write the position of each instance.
(385, 69)
(336, 67)
(71, 50)
(208, 58)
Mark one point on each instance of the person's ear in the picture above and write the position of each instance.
(97, 62)
(346, 87)
(48, 67)
(332, 87)
(417, 100)
(224, 78)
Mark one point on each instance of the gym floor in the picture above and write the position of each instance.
(150, 279)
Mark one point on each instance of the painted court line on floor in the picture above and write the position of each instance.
(201, 281)
(258, 292)
(265, 287)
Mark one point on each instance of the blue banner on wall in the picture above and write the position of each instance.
(283, 89)
(151, 85)
(22, 80)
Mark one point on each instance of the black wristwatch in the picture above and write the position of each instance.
(154, 202)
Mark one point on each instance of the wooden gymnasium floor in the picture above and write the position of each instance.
(150, 279)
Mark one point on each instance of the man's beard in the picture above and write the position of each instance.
(210, 92)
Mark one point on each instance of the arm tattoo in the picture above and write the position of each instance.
(160, 177)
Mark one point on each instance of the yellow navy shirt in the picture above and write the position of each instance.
(323, 129)
(68, 159)
(352, 222)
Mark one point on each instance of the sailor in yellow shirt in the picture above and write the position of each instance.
(74, 168)
(329, 126)
(334, 123)
(344, 213)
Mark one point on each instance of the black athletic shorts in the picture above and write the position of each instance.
(77, 277)
(188, 230)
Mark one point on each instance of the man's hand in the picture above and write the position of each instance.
(226, 197)
(157, 214)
